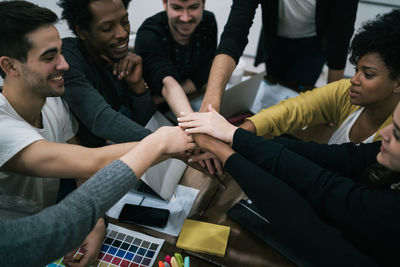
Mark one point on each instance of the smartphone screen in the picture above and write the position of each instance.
(144, 215)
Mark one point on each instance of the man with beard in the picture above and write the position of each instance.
(177, 47)
(37, 130)
(104, 85)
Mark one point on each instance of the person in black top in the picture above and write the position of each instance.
(323, 207)
(177, 47)
(333, 28)
(327, 205)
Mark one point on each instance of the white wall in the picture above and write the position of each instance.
(365, 12)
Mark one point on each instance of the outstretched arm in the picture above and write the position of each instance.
(23, 239)
(221, 71)
(175, 96)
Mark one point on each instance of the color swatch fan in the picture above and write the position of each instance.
(122, 247)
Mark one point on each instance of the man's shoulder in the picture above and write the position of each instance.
(208, 16)
(157, 21)
(72, 49)
(153, 30)
(208, 24)
(6, 110)
(70, 43)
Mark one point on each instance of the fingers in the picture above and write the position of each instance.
(190, 124)
(201, 162)
(201, 156)
(210, 167)
(197, 130)
(70, 256)
(123, 67)
(126, 65)
(218, 166)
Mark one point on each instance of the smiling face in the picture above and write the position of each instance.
(43, 71)
(109, 29)
(371, 85)
(183, 17)
(389, 156)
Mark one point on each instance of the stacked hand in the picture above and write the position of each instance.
(174, 140)
(210, 123)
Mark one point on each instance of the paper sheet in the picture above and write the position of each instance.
(269, 95)
(179, 207)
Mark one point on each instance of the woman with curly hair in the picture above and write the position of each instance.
(358, 107)
(322, 202)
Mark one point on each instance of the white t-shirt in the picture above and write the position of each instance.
(342, 134)
(21, 195)
(297, 18)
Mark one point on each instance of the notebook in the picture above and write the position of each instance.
(159, 181)
(203, 237)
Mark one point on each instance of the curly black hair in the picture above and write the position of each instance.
(20, 18)
(77, 13)
(382, 36)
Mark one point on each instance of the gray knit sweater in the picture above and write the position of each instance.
(41, 238)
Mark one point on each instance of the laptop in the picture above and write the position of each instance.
(159, 181)
(239, 98)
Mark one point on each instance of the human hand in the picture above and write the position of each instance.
(208, 160)
(91, 246)
(128, 68)
(211, 123)
(174, 140)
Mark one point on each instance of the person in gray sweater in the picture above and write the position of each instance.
(45, 236)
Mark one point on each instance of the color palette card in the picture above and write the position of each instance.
(123, 247)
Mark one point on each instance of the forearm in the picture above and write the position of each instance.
(291, 219)
(175, 96)
(28, 237)
(48, 159)
(221, 71)
(249, 126)
(220, 149)
(145, 154)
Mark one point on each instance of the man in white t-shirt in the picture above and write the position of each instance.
(36, 128)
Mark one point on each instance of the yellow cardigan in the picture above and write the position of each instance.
(330, 103)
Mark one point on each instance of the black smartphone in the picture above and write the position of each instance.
(144, 215)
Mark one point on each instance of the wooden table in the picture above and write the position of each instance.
(211, 205)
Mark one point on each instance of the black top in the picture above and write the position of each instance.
(95, 96)
(306, 188)
(334, 24)
(162, 56)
